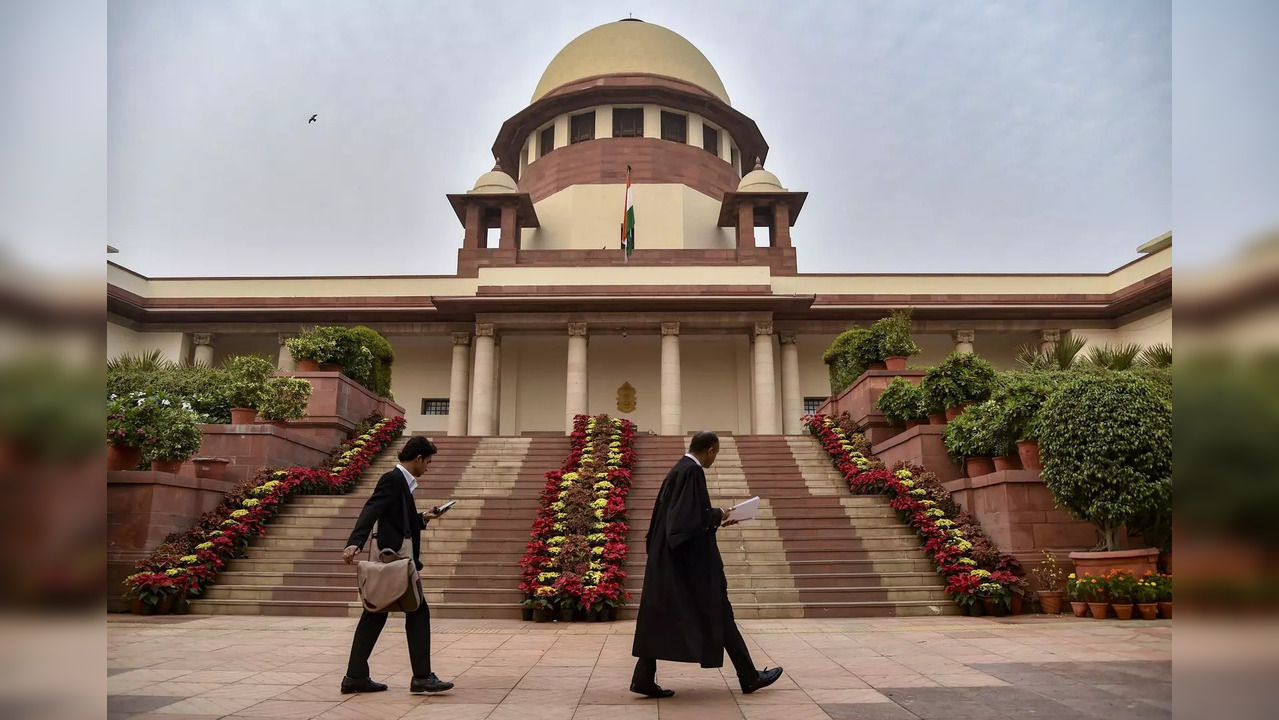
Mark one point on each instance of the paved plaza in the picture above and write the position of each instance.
(871, 669)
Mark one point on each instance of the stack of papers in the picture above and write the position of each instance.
(745, 510)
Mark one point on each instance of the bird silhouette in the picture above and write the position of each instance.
(313, 117)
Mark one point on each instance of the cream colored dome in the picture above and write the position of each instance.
(760, 180)
(630, 46)
(495, 181)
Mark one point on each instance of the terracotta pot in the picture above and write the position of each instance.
(1028, 453)
(897, 362)
(1165, 559)
(137, 607)
(1165, 610)
(1099, 610)
(1149, 611)
(988, 605)
(308, 366)
(210, 468)
(1007, 462)
(243, 416)
(954, 412)
(167, 466)
(937, 418)
(978, 466)
(1049, 601)
(123, 457)
(330, 367)
(1123, 611)
(1015, 604)
(1080, 608)
(878, 366)
(1138, 562)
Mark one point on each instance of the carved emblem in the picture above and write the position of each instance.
(626, 398)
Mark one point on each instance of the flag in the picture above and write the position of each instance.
(628, 220)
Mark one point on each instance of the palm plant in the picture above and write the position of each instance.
(1114, 357)
(146, 362)
(1061, 356)
(1159, 356)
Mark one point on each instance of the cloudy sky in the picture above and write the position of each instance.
(931, 136)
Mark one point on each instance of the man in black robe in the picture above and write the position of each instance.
(684, 613)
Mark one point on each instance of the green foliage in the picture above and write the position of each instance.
(365, 356)
(379, 378)
(901, 401)
(972, 433)
(1157, 356)
(1106, 440)
(285, 398)
(961, 378)
(246, 377)
(1114, 357)
(205, 388)
(893, 336)
(1062, 356)
(176, 432)
(1020, 395)
(847, 358)
(43, 413)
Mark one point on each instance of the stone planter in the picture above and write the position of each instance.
(1007, 462)
(1138, 562)
(881, 366)
(1165, 610)
(1079, 608)
(1049, 601)
(978, 466)
(243, 416)
(897, 362)
(1149, 611)
(167, 466)
(308, 366)
(123, 457)
(1123, 611)
(937, 418)
(330, 367)
(212, 468)
(914, 423)
(1099, 609)
(1028, 453)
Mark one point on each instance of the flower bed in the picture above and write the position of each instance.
(183, 565)
(573, 563)
(974, 569)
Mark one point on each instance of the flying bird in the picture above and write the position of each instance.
(313, 117)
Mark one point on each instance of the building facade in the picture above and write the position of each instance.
(708, 325)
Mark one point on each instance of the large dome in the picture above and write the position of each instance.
(630, 46)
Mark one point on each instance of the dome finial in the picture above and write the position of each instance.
(759, 165)
(497, 164)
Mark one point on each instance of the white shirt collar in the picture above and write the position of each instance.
(691, 455)
(408, 476)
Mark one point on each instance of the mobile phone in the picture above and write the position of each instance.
(445, 507)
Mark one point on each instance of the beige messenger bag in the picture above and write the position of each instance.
(390, 582)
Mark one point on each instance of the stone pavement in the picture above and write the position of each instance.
(868, 669)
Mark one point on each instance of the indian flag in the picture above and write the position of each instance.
(628, 219)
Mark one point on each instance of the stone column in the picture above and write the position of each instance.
(745, 225)
(284, 359)
(203, 349)
(497, 385)
(672, 423)
(792, 401)
(964, 340)
(482, 385)
(575, 399)
(781, 224)
(765, 388)
(1048, 340)
(472, 240)
(509, 231)
(460, 384)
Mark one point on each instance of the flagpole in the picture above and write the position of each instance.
(626, 193)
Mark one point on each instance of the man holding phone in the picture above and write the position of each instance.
(391, 506)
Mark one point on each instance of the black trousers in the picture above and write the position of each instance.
(646, 668)
(417, 627)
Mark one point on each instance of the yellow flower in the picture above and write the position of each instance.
(204, 546)
(189, 559)
(545, 590)
(239, 513)
(173, 572)
(250, 503)
(1071, 576)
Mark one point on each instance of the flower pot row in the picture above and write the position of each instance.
(1122, 611)
(569, 614)
(169, 604)
(127, 458)
(1027, 458)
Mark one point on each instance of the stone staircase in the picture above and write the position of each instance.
(471, 557)
(813, 551)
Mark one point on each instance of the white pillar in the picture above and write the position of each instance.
(203, 349)
(460, 384)
(792, 402)
(482, 393)
(497, 385)
(1048, 340)
(575, 399)
(672, 423)
(765, 384)
(964, 340)
(284, 359)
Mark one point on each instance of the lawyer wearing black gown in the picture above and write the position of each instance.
(391, 506)
(684, 613)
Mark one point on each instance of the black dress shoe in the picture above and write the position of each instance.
(653, 691)
(766, 678)
(360, 685)
(429, 684)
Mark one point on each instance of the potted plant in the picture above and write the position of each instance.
(129, 424)
(969, 441)
(1121, 588)
(848, 357)
(1106, 440)
(1164, 584)
(1094, 593)
(901, 402)
(542, 610)
(211, 468)
(526, 609)
(177, 438)
(895, 341)
(246, 384)
(962, 379)
(333, 349)
(1048, 578)
(285, 398)
(1075, 591)
(994, 598)
(1146, 593)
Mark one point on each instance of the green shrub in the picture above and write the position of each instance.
(1106, 440)
(177, 435)
(1020, 395)
(246, 377)
(893, 336)
(204, 388)
(365, 356)
(961, 378)
(972, 433)
(285, 398)
(901, 401)
(379, 379)
(846, 358)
